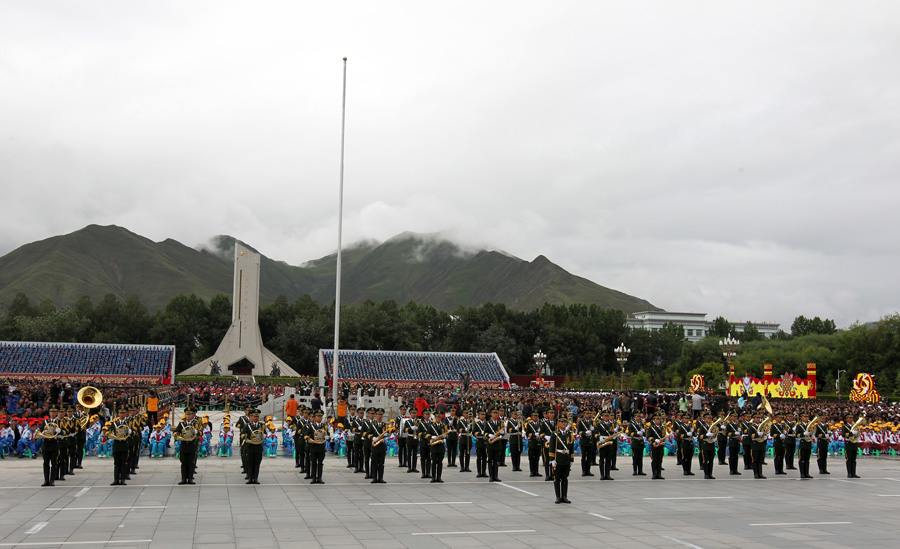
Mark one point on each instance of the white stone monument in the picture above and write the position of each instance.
(243, 340)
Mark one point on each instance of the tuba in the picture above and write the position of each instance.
(89, 397)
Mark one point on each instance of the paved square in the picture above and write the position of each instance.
(285, 511)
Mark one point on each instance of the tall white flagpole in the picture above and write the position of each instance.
(337, 282)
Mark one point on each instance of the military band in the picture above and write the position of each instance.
(187, 432)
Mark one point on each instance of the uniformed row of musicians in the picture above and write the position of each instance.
(63, 435)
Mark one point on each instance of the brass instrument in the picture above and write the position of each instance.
(319, 436)
(439, 439)
(388, 429)
(713, 429)
(50, 431)
(762, 430)
(89, 397)
(610, 439)
(861, 421)
(809, 429)
(120, 433)
(765, 404)
(188, 433)
(256, 437)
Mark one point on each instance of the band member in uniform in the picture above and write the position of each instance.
(779, 435)
(707, 440)
(514, 432)
(562, 441)
(686, 433)
(760, 439)
(402, 451)
(367, 442)
(120, 449)
(851, 445)
(254, 451)
(358, 440)
(463, 426)
(636, 433)
(424, 447)
(80, 435)
(436, 434)
(301, 429)
(378, 429)
(494, 431)
(548, 427)
(188, 431)
(134, 453)
(50, 448)
(722, 439)
(479, 428)
(62, 456)
(605, 429)
(315, 441)
(790, 443)
(733, 431)
(656, 437)
(585, 428)
(747, 430)
(452, 437)
(535, 443)
(411, 428)
(806, 442)
(821, 435)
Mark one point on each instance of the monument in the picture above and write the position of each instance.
(241, 351)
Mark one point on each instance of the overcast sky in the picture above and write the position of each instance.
(705, 156)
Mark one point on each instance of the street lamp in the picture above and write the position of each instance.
(729, 346)
(837, 383)
(540, 359)
(622, 353)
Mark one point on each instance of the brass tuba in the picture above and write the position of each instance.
(89, 397)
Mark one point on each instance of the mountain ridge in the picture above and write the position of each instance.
(97, 260)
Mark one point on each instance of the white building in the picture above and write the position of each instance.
(695, 325)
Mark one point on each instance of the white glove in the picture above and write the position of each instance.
(806, 433)
(601, 439)
(547, 438)
(588, 433)
(690, 433)
(854, 432)
(553, 463)
(641, 432)
(782, 437)
(738, 433)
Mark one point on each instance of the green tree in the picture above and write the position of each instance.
(750, 333)
(721, 327)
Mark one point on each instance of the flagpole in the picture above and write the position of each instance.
(337, 282)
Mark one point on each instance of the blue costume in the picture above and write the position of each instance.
(225, 441)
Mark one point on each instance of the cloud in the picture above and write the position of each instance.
(730, 159)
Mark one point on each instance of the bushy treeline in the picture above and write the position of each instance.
(577, 339)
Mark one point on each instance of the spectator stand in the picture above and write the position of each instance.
(399, 368)
(98, 363)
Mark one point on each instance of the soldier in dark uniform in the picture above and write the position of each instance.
(309, 416)
(733, 431)
(62, 455)
(452, 438)
(367, 442)
(779, 435)
(821, 435)
(760, 439)
(50, 448)
(548, 427)
(424, 447)
(585, 428)
(411, 427)
(494, 431)
(686, 433)
(806, 441)
(436, 431)
(315, 442)
(464, 427)
(402, 455)
(239, 425)
(656, 437)
(607, 445)
(301, 428)
(722, 439)
(377, 432)
(134, 452)
(747, 430)
(188, 449)
(254, 451)
(707, 440)
(636, 434)
(358, 425)
(120, 449)
(514, 434)
(790, 443)
(80, 437)
(479, 428)
(535, 443)
(851, 445)
(561, 444)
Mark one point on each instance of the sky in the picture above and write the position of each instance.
(734, 158)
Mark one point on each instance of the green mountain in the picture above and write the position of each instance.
(98, 260)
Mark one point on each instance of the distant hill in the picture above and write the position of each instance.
(98, 260)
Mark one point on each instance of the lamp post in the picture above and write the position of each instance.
(540, 359)
(729, 346)
(622, 353)
(837, 383)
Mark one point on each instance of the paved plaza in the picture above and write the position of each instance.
(285, 511)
